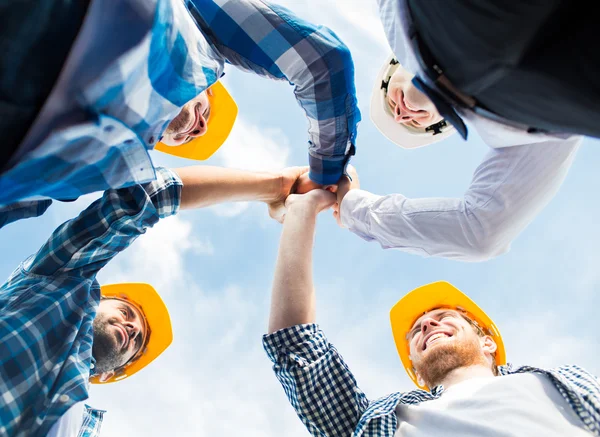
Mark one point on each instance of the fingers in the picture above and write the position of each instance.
(336, 216)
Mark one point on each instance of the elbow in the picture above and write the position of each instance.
(486, 246)
(339, 56)
(483, 251)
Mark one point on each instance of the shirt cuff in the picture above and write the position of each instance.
(23, 210)
(303, 344)
(328, 172)
(165, 192)
(355, 211)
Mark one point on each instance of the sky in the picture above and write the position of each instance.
(214, 267)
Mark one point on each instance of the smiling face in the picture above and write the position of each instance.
(119, 334)
(442, 340)
(410, 106)
(191, 122)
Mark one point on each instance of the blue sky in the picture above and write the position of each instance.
(214, 267)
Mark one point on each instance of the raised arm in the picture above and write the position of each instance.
(509, 188)
(272, 41)
(315, 378)
(293, 299)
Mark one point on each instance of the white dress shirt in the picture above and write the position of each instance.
(516, 180)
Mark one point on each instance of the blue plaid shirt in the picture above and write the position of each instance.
(326, 397)
(134, 77)
(49, 302)
(92, 422)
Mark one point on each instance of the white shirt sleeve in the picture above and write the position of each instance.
(509, 188)
(69, 424)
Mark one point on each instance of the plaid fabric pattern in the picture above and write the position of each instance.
(92, 422)
(271, 41)
(49, 302)
(126, 109)
(329, 402)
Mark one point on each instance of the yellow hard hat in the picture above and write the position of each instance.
(157, 319)
(223, 112)
(426, 298)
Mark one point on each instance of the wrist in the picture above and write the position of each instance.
(273, 183)
(303, 208)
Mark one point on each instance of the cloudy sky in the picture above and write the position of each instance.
(214, 267)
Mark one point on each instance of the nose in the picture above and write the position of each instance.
(133, 330)
(428, 324)
(402, 116)
(201, 127)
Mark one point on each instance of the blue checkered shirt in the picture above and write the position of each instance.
(142, 75)
(49, 302)
(92, 422)
(326, 397)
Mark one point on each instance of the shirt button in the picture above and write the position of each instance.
(151, 140)
(64, 398)
(129, 141)
(109, 128)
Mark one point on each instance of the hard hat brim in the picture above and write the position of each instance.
(223, 112)
(149, 302)
(426, 298)
(381, 116)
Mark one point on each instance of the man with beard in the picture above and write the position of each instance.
(89, 88)
(449, 347)
(59, 329)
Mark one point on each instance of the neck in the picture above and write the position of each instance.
(468, 372)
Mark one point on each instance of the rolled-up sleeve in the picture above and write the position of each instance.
(316, 380)
(83, 245)
(509, 189)
(22, 210)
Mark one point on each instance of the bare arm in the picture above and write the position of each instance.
(293, 298)
(206, 186)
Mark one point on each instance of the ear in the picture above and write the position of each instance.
(488, 345)
(419, 379)
(105, 376)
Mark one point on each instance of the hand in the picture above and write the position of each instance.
(345, 185)
(305, 184)
(312, 202)
(290, 179)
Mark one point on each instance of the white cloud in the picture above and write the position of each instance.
(251, 148)
(355, 21)
(157, 257)
(63, 211)
(215, 379)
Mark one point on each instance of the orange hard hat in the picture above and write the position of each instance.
(223, 112)
(429, 297)
(156, 317)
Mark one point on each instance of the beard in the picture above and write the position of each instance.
(104, 347)
(180, 122)
(445, 357)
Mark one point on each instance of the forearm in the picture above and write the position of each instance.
(205, 186)
(293, 298)
(508, 190)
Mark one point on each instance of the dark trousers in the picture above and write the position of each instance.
(535, 62)
(35, 39)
